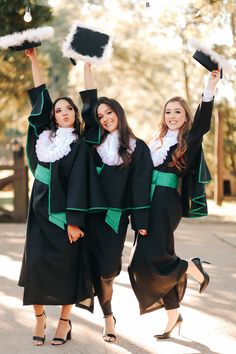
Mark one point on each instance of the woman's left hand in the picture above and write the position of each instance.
(142, 232)
(213, 80)
(74, 233)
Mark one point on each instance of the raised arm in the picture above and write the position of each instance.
(202, 119)
(210, 89)
(37, 76)
(89, 99)
(88, 77)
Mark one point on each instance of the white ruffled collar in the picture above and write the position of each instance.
(53, 149)
(160, 150)
(108, 150)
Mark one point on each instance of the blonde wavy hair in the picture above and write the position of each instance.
(178, 154)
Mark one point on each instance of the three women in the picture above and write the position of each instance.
(62, 165)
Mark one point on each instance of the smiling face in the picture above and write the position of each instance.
(174, 115)
(64, 114)
(107, 117)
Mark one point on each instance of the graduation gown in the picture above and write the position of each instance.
(157, 274)
(127, 193)
(55, 272)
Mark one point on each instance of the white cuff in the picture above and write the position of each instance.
(207, 95)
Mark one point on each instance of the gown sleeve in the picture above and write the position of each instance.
(92, 131)
(38, 119)
(83, 192)
(201, 125)
(193, 183)
(141, 186)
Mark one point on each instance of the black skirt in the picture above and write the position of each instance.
(105, 246)
(155, 269)
(52, 267)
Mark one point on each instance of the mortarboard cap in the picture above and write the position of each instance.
(209, 58)
(26, 39)
(87, 44)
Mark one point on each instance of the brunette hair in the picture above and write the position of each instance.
(53, 123)
(124, 131)
(178, 154)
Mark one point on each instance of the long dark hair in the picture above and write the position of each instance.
(77, 123)
(178, 154)
(124, 131)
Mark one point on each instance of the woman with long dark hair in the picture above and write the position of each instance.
(54, 269)
(158, 276)
(124, 167)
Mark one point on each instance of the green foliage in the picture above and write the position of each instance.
(151, 60)
(15, 75)
(12, 12)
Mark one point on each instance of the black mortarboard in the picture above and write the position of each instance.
(209, 58)
(87, 44)
(26, 39)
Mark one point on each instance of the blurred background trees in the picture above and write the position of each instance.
(151, 59)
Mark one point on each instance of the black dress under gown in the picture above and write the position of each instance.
(54, 271)
(158, 276)
(126, 191)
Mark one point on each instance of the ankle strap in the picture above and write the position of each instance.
(64, 319)
(40, 315)
(107, 316)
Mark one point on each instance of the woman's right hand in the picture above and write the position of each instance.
(88, 77)
(142, 232)
(213, 79)
(31, 53)
(74, 233)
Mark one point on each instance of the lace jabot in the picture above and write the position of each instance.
(159, 152)
(53, 149)
(108, 150)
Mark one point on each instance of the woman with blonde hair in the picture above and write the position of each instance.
(158, 276)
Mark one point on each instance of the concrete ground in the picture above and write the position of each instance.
(209, 325)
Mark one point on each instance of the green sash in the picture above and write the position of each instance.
(113, 215)
(164, 179)
(43, 175)
(113, 218)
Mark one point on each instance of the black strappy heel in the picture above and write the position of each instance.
(68, 335)
(111, 338)
(39, 339)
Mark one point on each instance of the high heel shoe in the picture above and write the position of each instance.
(167, 334)
(198, 264)
(110, 337)
(68, 335)
(40, 340)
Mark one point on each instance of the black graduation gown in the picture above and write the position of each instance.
(55, 272)
(125, 189)
(157, 274)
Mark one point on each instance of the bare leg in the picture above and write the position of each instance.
(40, 324)
(172, 318)
(63, 327)
(194, 272)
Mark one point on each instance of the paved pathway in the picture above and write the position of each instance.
(209, 319)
